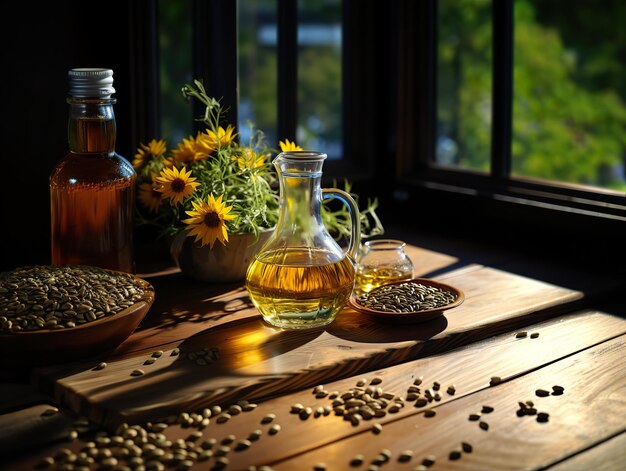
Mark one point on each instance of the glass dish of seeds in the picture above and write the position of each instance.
(52, 314)
(408, 301)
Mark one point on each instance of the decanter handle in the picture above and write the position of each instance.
(355, 220)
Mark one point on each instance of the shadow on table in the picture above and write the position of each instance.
(355, 327)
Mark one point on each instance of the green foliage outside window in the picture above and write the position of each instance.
(569, 112)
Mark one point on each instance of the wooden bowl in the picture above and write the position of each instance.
(413, 316)
(46, 347)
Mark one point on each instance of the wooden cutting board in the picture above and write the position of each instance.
(253, 360)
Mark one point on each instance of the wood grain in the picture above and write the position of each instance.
(607, 456)
(261, 360)
(595, 389)
(29, 427)
(469, 368)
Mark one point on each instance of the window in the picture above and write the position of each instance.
(529, 109)
(307, 66)
(464, 84)
(569, 102)
(516, 107)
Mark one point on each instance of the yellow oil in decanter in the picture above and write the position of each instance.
(290, 292)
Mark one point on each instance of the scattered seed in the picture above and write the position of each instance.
(296, 408)
(137, 372)
(534, 335)
(430, 413)
(436, 386)
(157, 354)
(467, 448)
(474, 417)
(521, 335)
(175, 352)
(418, 380)
(49, 411)
(222, 451)
(486, 409)
(377, 428)
(149, 361)
(361, 382)
(557, 390)
(451, 390)
(357, 460)
(268, 418)
(542, 392)
(274, 429)
(243, 445)
(454, 455)
(221, 462)
(100, 366)
(255, 435)
(429, 460)
(223, 418)
(483, 425)
(420, 467)
(228, 439)
(73, 435)
(405, 456)
(543, 417)
(495, 380)
(376, 380)
(320, 467)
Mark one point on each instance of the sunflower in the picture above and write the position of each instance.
(289, 146)
(175, 184)
(249, 159)
(186, 151)
(205, 145)
(208, 220)
(146, 152)
(223, 136)
(150, 197)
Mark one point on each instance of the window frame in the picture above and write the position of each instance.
(417, 135)
(389, 113)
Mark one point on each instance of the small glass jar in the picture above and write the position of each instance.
(380, 262)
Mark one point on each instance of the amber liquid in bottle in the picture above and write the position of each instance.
(92, 199)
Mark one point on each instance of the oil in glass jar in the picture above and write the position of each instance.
(381, 262)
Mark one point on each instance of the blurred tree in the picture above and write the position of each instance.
(569, 118)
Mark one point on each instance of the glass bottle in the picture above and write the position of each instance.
(92, 188)
(301, 278)
(380, 262)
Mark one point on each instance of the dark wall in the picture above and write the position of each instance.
(39, 43)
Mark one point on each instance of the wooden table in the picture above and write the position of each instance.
(581, 346)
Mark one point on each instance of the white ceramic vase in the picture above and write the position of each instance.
(222, 263)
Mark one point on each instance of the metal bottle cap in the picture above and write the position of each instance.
(91, 83)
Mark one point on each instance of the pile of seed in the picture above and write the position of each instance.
(406, 297)
(61, 297)
(147, 446)
(367, 400)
